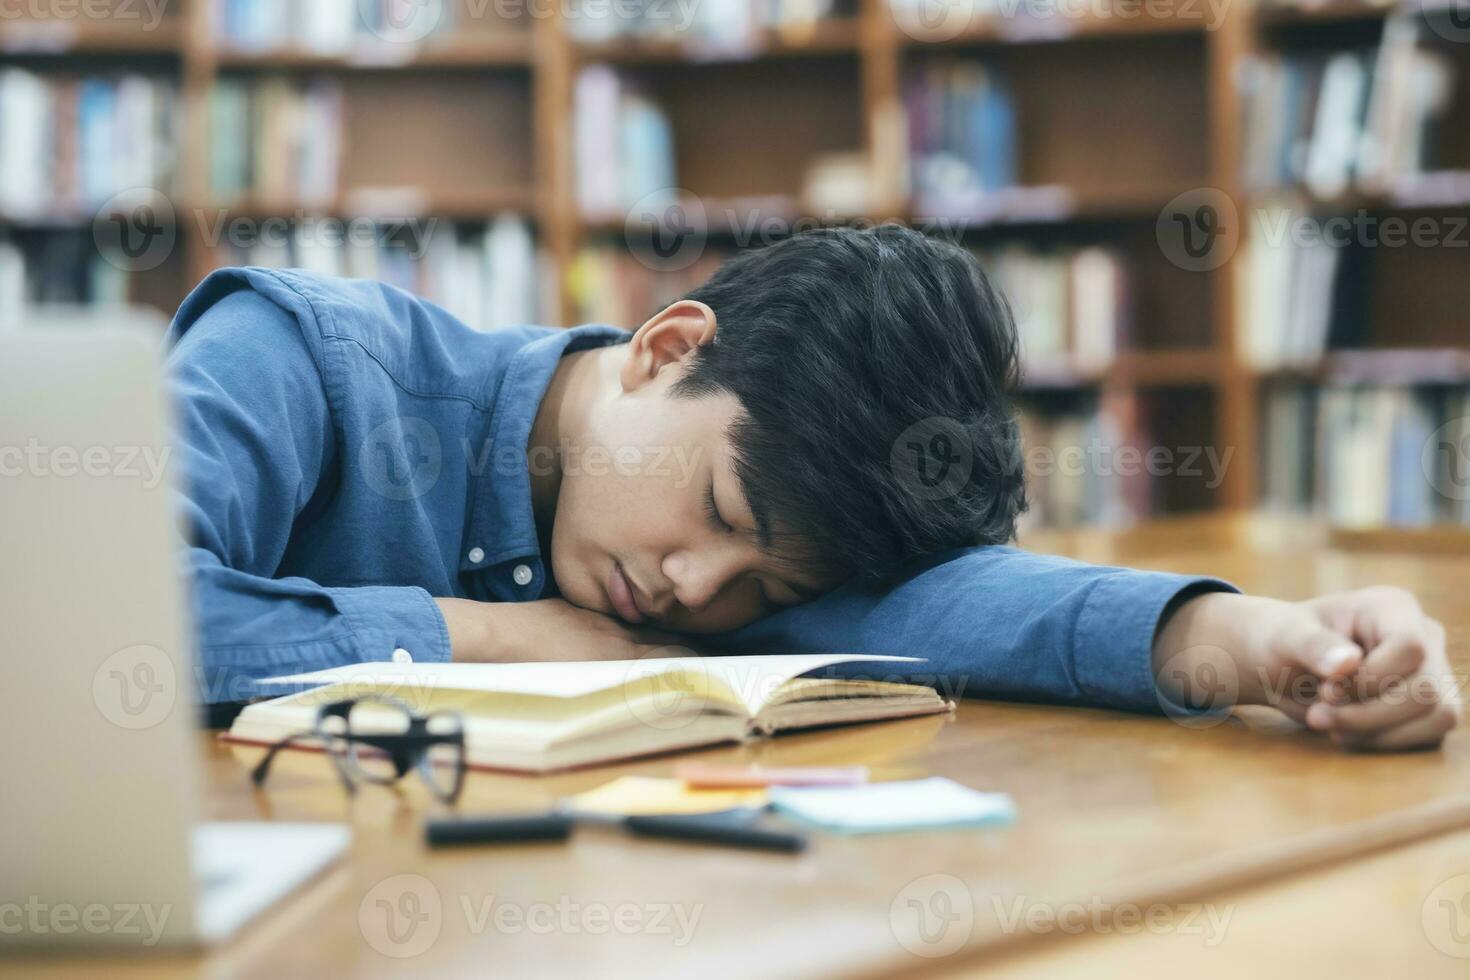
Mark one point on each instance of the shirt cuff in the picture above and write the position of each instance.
(389, 618)
(1112, 646)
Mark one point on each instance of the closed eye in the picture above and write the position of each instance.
(712, 511)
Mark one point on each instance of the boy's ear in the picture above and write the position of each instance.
(668, 338)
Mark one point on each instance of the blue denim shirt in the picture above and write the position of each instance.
(350, 451)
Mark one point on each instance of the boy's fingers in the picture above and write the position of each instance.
(1400, 655)
(1295, 710)
(1318, 650)
(1397, 707)
(1424, 732)
(1368, 616)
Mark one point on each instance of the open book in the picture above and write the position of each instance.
(540, 717)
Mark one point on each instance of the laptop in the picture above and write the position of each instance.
(98, 838)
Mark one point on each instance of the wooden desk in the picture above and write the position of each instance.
(1115, 811)
(1403, 912)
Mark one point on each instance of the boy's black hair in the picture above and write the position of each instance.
(874, 367)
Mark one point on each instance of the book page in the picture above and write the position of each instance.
(757, 679)
(751, 680)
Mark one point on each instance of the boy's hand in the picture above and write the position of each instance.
(1367, 667)
(546, 629)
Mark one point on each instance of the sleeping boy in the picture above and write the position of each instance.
(814, 450)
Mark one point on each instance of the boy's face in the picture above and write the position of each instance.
(651, 524)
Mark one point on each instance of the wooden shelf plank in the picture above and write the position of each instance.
(1052, 30)
(1008, 208)
(838, 36)
(1388, 366)
(63, 38)
(1433, 538)
(1330, 12)
(1054, 205)
(723, 217)
(1439, 190)
(1155, 368)
(388, 203)
(505, 49)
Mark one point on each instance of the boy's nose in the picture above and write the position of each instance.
(697, 579)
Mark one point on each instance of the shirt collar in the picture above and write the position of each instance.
(502, 524)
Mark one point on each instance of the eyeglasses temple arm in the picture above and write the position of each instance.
(257, 776)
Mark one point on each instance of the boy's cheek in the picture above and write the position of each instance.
(572, 574)
(718, 618)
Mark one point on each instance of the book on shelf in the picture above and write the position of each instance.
(1378, 461)
(961, 135)
(1087, 460)
(1288, 441)
(546, 717)
(12, 284)
(276, 140)
(613, 285)
(624, 147)
(69, 143)
(332, 27)
(56, 267)
(838, 184)
(1300, 295)
(1366, 118)
(1073, 306)
(489, 276)
(1366, 454)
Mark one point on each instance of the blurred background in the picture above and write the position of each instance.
(1234, 233)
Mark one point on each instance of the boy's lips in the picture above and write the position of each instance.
(620, 594)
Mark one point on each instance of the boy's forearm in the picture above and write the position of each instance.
(1221, 649)
(545, 629)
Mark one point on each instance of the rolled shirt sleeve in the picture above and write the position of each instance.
(997, 622)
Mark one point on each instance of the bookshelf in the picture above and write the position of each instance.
(1385, 381)
(1116, 115)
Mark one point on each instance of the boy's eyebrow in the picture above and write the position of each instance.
(758, 516)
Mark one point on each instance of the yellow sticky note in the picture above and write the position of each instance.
(644, 795)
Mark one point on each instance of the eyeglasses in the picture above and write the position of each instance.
(378, 739)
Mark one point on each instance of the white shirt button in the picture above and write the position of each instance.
(402, 656)
(521, 574)
(476, 555)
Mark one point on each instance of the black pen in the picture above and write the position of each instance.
(557, 825)
(715, 832)
(519, 828)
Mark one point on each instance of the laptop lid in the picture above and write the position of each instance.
(97, 773)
